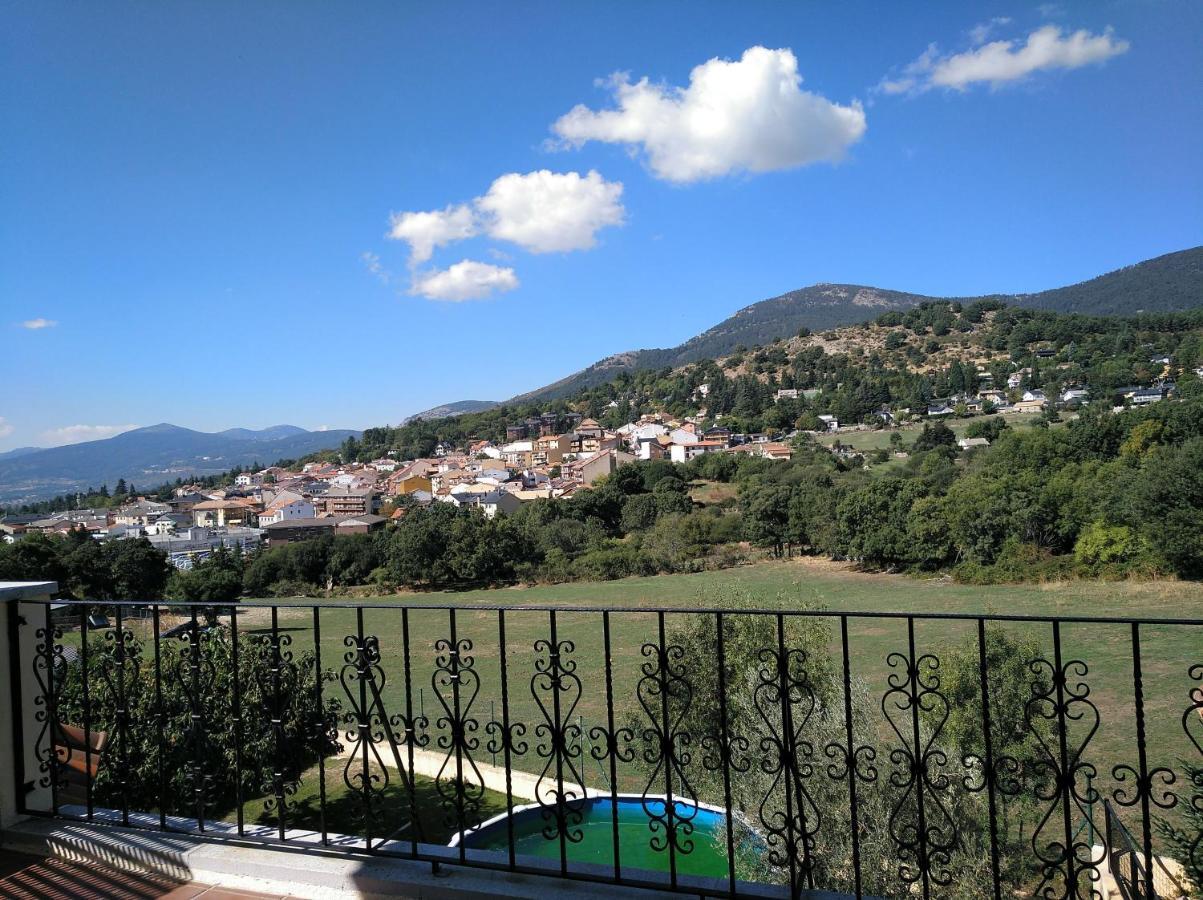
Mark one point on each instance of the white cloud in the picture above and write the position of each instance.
(6, 427)
(541, 212)
(38, 324)
(550, 212)
(427, 231)
(466, 280)
(979, 33)
(74, 434)
(373, 264)
(746, 115)
(1000, 62)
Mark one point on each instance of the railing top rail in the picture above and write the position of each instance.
(301, 603)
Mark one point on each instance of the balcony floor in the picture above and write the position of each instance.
(25, 877)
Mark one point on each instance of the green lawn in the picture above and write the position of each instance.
(1168, 652)
(876, 440)
(345, 810)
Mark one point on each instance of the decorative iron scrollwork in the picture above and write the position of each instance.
(120, 668)
(556, 689)
(459, 783)
(1060, 700)
(50, 671)
(195, 673)
(665, 695)
(1192, 724)
(785, 700)
(920, 825)
(364, 773)
(277, 682)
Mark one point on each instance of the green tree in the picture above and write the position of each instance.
(308, 729)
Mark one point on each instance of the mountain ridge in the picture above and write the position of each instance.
(1178, 277)
(152, 455)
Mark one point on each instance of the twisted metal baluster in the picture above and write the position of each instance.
(361, 678)
(1060, 698)
(1144, 788)
(663, 687)
(454, 669)
(925, 845)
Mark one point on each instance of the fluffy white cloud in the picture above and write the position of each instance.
(427, 231)
(747, 115)
(999, 62)
(550, 212)
(74, 434)
(6, 427)
(541, 212)
(38, 324)
(466, 280)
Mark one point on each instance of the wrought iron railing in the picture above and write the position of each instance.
(717, 752)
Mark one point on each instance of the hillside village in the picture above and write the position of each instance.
(561, 451)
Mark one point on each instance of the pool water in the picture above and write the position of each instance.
(707, 858)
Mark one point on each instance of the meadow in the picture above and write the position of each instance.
(1167, 651)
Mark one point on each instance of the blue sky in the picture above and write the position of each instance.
(204, 202)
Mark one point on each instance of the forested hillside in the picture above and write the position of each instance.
(901, 360)
(1169, 283)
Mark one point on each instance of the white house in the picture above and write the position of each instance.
(287, 508)
(831, 423)
(685, 452)
(683, 436)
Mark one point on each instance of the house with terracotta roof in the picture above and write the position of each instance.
(224, 512)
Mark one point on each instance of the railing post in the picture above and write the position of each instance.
(22, 612)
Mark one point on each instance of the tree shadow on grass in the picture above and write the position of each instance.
(392, 811)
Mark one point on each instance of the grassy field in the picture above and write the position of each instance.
(876, 440)
(344, 808)
(1168, 652)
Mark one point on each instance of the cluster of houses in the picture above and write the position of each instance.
(552, 455)
(544, 457)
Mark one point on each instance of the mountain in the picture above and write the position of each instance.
(18, 451)
(150, 456)
(453, 409)
(1169, 283)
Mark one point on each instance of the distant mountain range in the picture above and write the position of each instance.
(1169, 283)
(150, 456)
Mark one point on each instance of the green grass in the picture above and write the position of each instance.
(1168, 652)
(345, 811)
(877, 440)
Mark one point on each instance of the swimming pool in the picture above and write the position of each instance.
(707, 858)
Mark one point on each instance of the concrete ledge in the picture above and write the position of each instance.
(301, 873)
